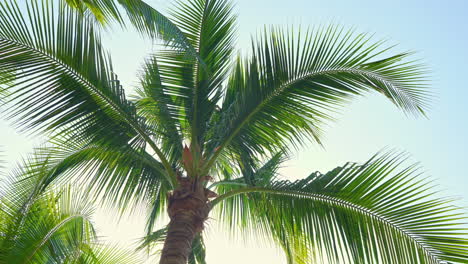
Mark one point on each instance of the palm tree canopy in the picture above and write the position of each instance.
(239, 116)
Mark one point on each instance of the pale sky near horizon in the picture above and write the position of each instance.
(437, 30)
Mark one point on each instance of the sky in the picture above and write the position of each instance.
(436, 30)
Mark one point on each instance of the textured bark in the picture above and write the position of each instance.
(178, 244)
(188, 209)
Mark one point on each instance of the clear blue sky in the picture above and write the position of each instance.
(437, 30)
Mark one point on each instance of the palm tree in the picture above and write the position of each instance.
(205, 133)
(51, 225)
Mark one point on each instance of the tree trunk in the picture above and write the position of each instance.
(188, 209)
(178, 244)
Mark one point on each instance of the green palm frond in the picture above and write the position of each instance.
(45, 224)
(40, 226)
(253, 174)
(147, 20)
(294, 82)
(210, 26)
(6, 80)
(153, 239)
(103, 11)
(64, 79)
(160, 111)
(122, 176)
(371, 213)
(198, 254)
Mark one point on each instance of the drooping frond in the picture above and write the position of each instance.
(122, 176)
(293, 83)
(371, 213)
(63, 77)
(141, 15)
(196, 87)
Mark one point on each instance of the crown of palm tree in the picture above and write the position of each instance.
(201, 114)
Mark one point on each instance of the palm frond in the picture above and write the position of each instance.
(104, 11)
(120, 176)
(64, 79)
(256, 175)
(209, 26)
(198, 254)
(40, 226)
(160, 111)
(41, 223)
(371, 213)
(147, 20)
(294, 82)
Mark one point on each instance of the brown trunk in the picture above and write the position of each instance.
(181, 232)
(188, 209)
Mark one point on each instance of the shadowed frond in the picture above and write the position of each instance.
(371, 213)
(147, 20)
(293, 83)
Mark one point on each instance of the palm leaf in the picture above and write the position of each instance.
(160, 111)
(147, 20)
(122, 176)
(371, 213)
(40, 226)
(64, 80)
(209, 26)
(293, 83)
(104, 11)
(43, 224)
(63, 77)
